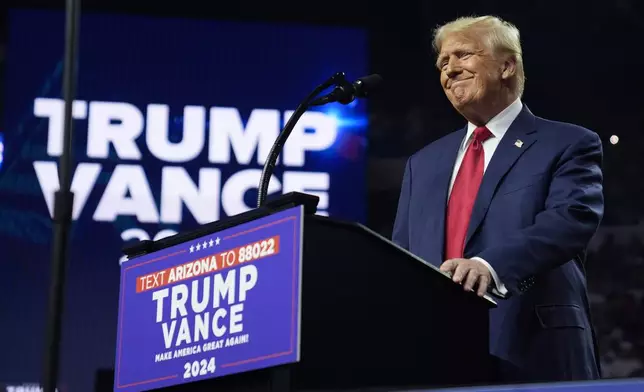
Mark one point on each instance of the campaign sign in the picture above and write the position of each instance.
(224, 303)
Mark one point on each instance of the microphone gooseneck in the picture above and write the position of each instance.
(344, 93)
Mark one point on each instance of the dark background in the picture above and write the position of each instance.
(583, 62)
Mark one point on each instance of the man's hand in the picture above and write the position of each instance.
(469, 273)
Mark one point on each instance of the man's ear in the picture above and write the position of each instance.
(509, 67)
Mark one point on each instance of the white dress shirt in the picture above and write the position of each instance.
(498, 126)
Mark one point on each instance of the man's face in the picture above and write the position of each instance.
(470, 73)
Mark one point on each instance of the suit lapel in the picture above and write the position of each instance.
(523, 132)
(437, 198)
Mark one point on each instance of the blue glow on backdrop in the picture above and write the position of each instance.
(1, 150)
(173, 121)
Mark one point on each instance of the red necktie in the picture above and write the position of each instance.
(461, 201)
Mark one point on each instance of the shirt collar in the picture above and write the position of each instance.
(499, 124)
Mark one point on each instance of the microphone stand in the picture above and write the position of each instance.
(63, 205)
(278, 145)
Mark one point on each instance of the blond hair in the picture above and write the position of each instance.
(499, 35)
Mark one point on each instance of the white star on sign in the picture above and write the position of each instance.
(192, 248)
(217, 241)
(204, 245)
(198, 246)
(211, 242)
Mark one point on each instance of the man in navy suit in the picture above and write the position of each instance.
(507, 205)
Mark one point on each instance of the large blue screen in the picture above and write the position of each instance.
(174, 119)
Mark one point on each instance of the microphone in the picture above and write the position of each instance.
(346, 92)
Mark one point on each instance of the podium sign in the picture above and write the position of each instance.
(224, 303)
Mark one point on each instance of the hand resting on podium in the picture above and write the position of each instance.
(473, 274)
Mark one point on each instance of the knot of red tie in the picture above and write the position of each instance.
(481, 134)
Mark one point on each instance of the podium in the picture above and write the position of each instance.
(363, 312)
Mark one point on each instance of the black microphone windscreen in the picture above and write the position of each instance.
(367, 84)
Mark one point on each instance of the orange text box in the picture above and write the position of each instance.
(208, 264)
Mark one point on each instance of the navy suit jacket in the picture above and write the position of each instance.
(539, 204)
